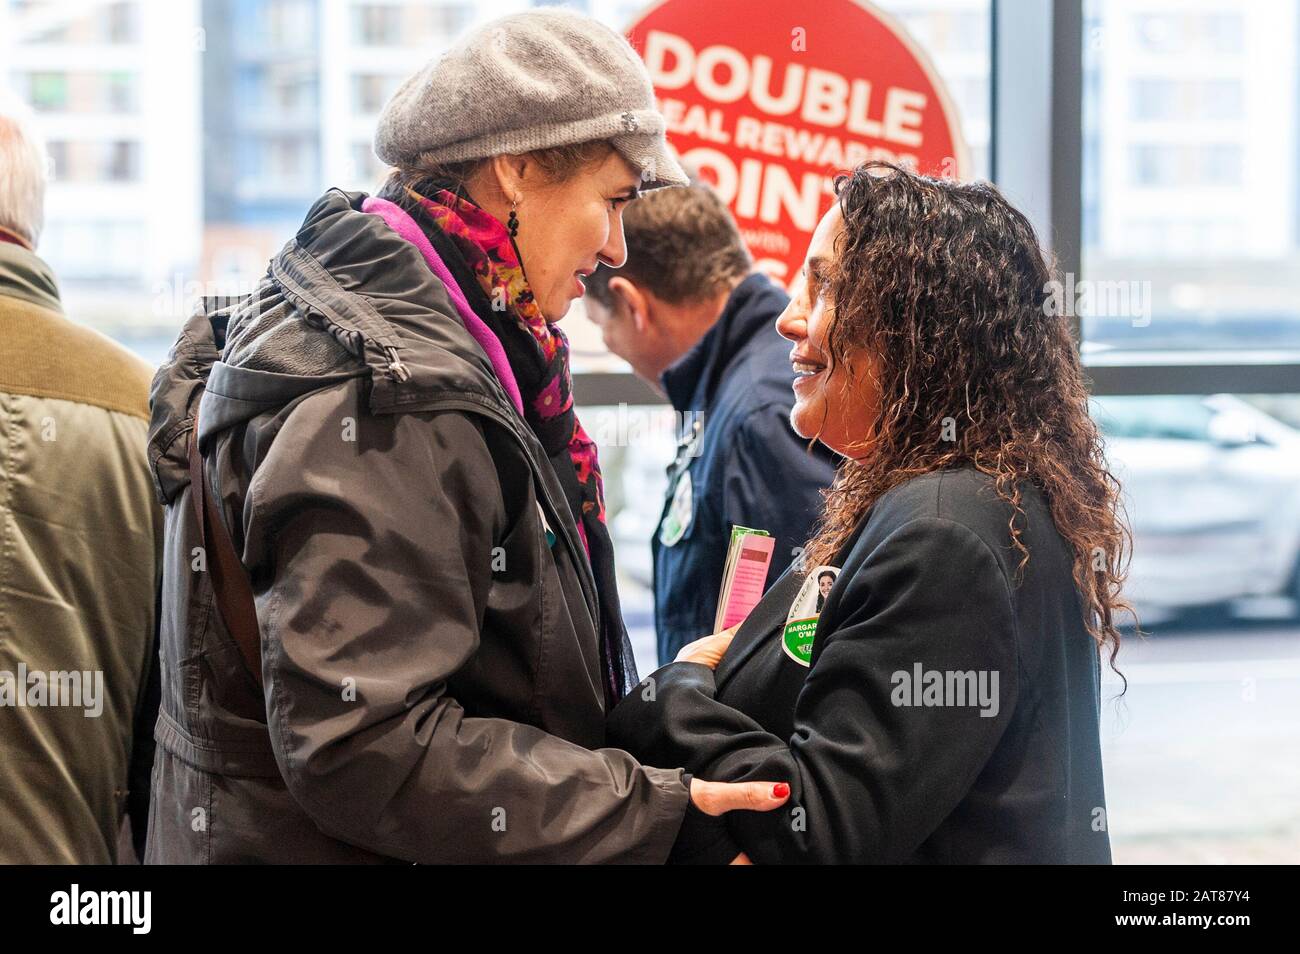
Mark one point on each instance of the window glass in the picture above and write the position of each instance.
(1191, 215)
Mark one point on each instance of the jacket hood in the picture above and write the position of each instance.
(346, 297)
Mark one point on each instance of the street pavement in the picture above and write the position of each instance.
(1202, 753)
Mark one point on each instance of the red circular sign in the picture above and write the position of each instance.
(768, 100)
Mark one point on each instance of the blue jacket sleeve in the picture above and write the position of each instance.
(774, 482)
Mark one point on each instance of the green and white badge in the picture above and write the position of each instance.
(805, 610)
(678, 519)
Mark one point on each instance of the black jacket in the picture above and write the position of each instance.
(432, 683)
(930, 581)
(745, 463)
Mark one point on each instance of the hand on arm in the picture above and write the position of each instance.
(870, 779)
(708, 650)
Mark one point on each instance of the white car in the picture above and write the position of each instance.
(1212, 488)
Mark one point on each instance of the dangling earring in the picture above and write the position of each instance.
(513, 223)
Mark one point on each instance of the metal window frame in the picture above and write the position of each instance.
(1036, 155)
(1037, 160)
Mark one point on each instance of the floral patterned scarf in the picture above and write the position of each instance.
(538, 355)
(544, 381)
(474, 243)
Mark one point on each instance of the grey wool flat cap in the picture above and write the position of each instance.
(547, 77)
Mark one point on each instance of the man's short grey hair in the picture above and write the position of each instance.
(23, 169)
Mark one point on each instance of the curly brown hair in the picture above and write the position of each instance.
(944, 285)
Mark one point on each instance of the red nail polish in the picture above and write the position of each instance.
(780, 790)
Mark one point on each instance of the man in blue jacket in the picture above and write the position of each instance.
(692, 316)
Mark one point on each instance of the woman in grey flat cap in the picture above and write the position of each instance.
(390, 627)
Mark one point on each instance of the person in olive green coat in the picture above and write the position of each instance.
(80, 544)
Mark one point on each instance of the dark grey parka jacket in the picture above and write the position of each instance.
(432, 679)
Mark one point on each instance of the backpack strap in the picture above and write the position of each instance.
(230, 583)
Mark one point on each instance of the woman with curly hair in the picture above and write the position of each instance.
(943, 704)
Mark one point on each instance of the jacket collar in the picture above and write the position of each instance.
(350, 275)
(782, 595)
(692, 381)
(24, 275)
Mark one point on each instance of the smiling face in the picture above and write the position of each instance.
(834, 402)
(565, 228)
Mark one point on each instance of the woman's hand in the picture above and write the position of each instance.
(718, 798)
(708, 650)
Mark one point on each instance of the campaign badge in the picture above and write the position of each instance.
(678, 519)
(805, 610)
